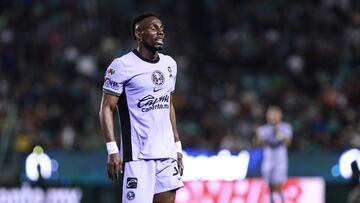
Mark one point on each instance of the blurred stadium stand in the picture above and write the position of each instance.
(234, 58)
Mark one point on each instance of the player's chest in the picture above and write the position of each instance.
(149, 78)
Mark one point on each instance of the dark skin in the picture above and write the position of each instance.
(149, 35)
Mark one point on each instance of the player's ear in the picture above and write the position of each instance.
(138, 35)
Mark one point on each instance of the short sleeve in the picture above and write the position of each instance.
(174, 74)
(115, 78)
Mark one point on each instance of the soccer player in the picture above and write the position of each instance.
(274, 136)
(140, 84)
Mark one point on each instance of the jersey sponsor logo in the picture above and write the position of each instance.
(131, 182)
(111, 84)
(158, 78)
(170, 72)
(150, 102)
(130, 195)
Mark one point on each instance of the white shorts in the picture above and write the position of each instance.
(144, 178)
(274, 173)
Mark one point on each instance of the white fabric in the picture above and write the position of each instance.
(178, 146)
(112, 148)
(144, 178)
(147, 87)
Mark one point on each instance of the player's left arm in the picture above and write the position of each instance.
(287, 141)
(288, 135)
(176, 135)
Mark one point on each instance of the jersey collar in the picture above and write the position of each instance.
(135, 51)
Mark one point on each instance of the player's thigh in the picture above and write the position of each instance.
(280, 174)
(167, 176)
(267, 171)
(138, 182)
(165, 197)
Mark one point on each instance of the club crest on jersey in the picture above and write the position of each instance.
(158, 78)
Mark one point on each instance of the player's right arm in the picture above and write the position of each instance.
(258, 140)
(107, 107)
(115, 77)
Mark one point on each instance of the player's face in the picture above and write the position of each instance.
(273, 115)
(152, 34)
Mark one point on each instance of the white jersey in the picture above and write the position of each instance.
(144, 88)
(275, 158)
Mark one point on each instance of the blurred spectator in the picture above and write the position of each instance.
(302, 54)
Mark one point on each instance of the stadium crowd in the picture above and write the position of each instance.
(234, 59)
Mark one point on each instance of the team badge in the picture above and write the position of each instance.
(130, 195)
(158, 78)
(131, 182)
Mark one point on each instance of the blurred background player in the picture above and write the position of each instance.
(304, 53)
(275, 136)
(140, 84)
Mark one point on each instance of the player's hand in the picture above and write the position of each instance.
(280, 136)
(114, 166)
(180, 163)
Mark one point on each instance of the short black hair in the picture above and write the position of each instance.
(139, 18)
(274, 106)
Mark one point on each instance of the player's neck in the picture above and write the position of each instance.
(274, 123)
(148, 54)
